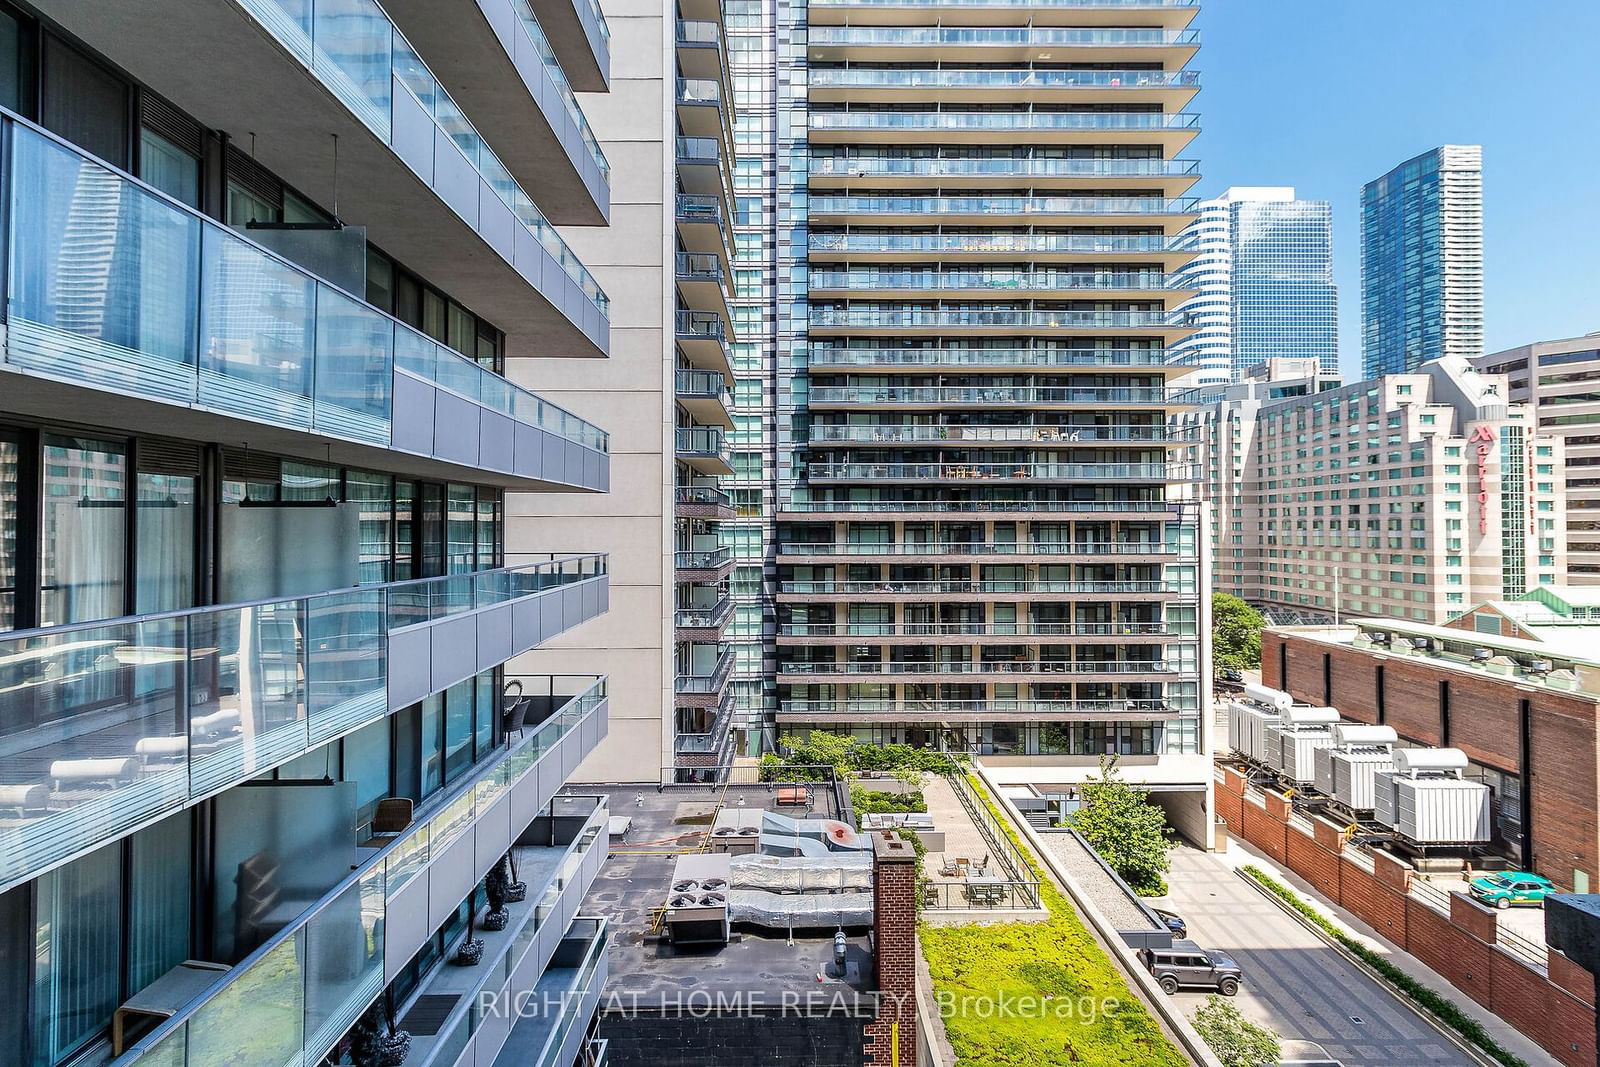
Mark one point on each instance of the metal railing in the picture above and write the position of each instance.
(910, 709)
(866, 279)
(1000, 243)
(1067, 434)
(993, 472)
(983, 505)
(701, 325)
(701, 441)
(980, 629)
(999, 35)
(713, 682)
(896, 667)
(983, 548)
(1022, 883)
(1021, 78)
(907, 204)
(703, 559)
(290, 998)
(989, 395)
(825, 160)
(188, 311)
(964, 586)
(1098, 123)
(880, 316)
(705, 384)
(703, 494)
(825, 356)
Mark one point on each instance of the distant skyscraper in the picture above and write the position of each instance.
(1422, 261)
(1264, 271)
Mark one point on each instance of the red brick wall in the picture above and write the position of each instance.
(1557, 1012)
(894, 912)
(1564, 785)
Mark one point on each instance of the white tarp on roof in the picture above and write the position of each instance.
(781, 911)
(802, 874)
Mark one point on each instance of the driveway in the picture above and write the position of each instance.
(1293, 981)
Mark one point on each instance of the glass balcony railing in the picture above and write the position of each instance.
(708, 617)
(700, 208)
(703, 385)
(1099, 122)
(955, 78)
(870, 166)
(114, 285)
(699, 150)
(920, 434)
(298, 993)
(701, 326)
(986, 396)
(699, 266)
(1107, 709)
(699, 91)
(990, 472)
(902, 316)
(979, 548)
(984, 667)
(552, 67)
(968, 587)
(1029, 36)
(885, 356)
(703, 559)
(358, 53)
(1021, 244)
(1005, 279)
(703, 494)
(834, 204)
(713, 680)
(978, 629)
(701, 441)
(561, 1001)
(107, 725)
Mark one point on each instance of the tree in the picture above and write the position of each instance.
(1237, 1041)
(1126, 829)
(1235, 633)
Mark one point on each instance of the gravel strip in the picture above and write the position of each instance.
(1093, 880)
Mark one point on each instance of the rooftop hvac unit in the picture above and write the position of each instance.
(1292, 745)
(1267, 697)
(697, 901)
(1349, 736)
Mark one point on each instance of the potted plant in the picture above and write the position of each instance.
(516, 891)
(376, 1041)
(495, 884)
(470, 951)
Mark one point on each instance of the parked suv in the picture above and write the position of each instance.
(1186, 964)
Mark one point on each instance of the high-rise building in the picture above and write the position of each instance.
(666, 393)
(1559, 383)
(1415, 496)
(976, 545)
(1422, 261)
(1263, 275)
(266, 770)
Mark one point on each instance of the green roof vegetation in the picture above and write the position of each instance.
(1038, 994)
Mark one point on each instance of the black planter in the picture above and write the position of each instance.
(495, 920)
(393, 1048)
(516, 892)
(470, 954)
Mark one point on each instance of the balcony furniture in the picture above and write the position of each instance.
(161, 999)
(617, 826)
(393, 816)
(152, 749)
(794, 795)
(24, 799)
(514, 708)
(111, 770)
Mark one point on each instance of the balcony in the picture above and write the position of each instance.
(1172, 14)
(703, 502)
(967, 589)
(704, 690)
(179, 323)
(1171, 214)
(1152, 251)
(578, 32)
(705, 109)
(1000, 282)
(532, 954)
(703, 229)
(554, 1030)
(342, 74)
(704, 449)
(710, 748)
(995, 710)
(1001, 44)
(1021, 508)
(1169, 176)
(976, 671)
(704, 395)
(500, 67)
(1172, 132)
(704, 169)
(702, 565)
(705, 623)
(948, 550)
(962, 435)
(703, 340)
(819, 471)
(298, 993)
(106, 726)
(703, 285)
(934, 396)
(703, 51)
(887, 319)
(968, 633)
(888, 357)
(1172, 89)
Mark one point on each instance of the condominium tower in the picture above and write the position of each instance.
(271, 790)
(1413, 497)
(1263, 275)
(1559, 382)
(1422, 261)
(976, 208)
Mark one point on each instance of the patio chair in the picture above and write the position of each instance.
(392, 816)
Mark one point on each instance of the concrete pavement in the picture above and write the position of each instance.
(1294, 982)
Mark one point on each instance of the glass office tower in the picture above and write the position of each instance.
(1422, 261)
(976, 545)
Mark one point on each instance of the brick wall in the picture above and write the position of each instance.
(894, 913)
(1556, 1011)
(1563, 782)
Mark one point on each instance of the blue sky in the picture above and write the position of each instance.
(1325, 95)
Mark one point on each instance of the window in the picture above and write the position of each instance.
(82, 564)
(169, 168)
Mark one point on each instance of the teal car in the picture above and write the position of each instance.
(1511, 887)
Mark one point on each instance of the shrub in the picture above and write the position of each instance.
(1127, 829)
(1439, 1007)
(1237, 1041)
(1083, 1011)
(866, 801)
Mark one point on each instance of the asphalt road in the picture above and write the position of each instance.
(1293, 981)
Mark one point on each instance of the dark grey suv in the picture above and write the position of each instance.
(1188, 966)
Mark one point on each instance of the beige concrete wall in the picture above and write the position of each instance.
(631, 396)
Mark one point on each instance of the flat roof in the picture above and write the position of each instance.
(758, 967)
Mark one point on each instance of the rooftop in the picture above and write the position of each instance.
(762, 967)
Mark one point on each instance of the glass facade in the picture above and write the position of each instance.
(1283, 302)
